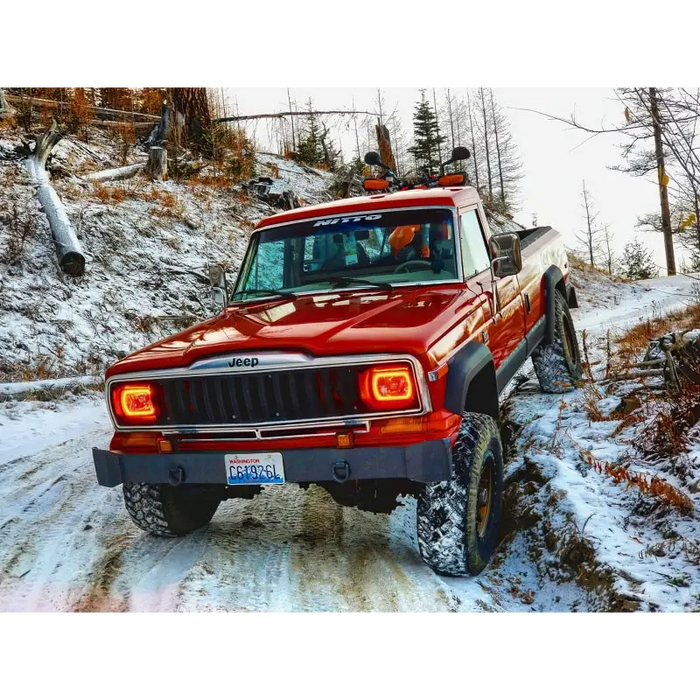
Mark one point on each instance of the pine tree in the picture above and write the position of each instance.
(309, 146)
(636, 262)
(426, 136)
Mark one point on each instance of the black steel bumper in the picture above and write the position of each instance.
(425, 462)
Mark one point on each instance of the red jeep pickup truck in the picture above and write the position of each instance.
(363, 349)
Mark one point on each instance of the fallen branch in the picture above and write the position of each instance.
(281, 115)
(18, 391)
(104, 123)
(122, 173)
(99, 111)
(68, 248)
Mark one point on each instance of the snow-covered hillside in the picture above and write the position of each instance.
(147, 245)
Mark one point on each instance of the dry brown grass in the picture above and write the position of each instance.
(633, 342)
(110, 195)
(649, 484)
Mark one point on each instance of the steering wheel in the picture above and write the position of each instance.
(418, 264)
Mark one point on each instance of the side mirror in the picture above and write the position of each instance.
(217, 279)
(506, 256)
(459, 153)
(373, 158)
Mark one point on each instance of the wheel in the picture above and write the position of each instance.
(457, 520)
(558, 364)
(170, 511)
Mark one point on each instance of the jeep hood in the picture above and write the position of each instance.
(408, 320)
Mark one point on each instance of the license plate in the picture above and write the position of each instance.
(254, 469)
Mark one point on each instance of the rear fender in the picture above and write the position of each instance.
(553, 281)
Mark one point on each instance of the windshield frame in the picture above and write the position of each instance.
(254, 238)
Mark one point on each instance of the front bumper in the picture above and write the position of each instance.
(425, 462)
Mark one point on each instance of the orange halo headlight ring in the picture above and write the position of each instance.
(388, 387)
(135, 404)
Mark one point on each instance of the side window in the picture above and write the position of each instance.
(475, 255)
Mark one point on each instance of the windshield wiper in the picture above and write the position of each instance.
(335, 282)
(271, 292)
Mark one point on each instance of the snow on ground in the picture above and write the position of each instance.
(621, 304)
(67, 544)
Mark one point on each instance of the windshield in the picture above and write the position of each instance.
(374, 249)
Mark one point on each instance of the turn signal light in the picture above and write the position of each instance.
(135, 404)
(344, 440)
(435, 422)
(387, 388)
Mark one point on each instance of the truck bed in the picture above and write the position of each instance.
(530, 235)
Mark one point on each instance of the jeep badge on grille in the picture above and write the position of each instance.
(243, 362)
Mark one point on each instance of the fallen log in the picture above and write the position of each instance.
(68, 248)
(45, 389)
(137, 126)
(106, 112)
(122, 173)
(157, 166)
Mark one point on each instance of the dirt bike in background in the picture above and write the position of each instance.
(391, 182)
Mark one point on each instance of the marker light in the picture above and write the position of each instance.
(387, 388)
(452, 180)
(134, 404)
(375, 184)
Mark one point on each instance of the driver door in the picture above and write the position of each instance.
(506, 329)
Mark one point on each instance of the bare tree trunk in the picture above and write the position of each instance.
(157, 166)
(589, 224)
(608, 250)
(193, 104)
(384, 141)
(437, 130)
(663, 189)
(3, 104)
(291, 119)
(68, 248)
(471, 128)
(498, 148)
(486, 143)
(452, 124)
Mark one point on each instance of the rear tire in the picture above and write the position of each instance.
(558, 364)
(457, 520)
(170, 511)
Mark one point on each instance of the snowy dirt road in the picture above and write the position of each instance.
(67, 544)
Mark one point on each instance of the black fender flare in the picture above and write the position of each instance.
(553, 280)
(471, 381)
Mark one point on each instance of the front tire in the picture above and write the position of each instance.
(170, 511)
(457, 520)
(558, 364)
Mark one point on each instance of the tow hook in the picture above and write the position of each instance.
(341, 470)
(176, 476)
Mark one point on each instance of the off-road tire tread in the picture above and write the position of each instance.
(555, 373)
(148, 507)
(444, 518)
